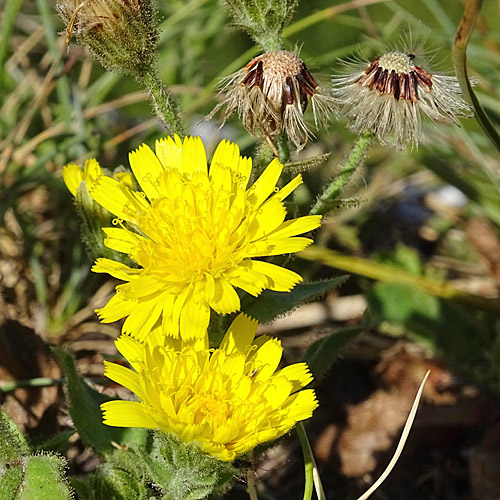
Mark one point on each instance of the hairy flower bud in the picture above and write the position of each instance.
(121, 34)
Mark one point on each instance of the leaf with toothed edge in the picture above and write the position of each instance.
(322, 354)
(270, 304)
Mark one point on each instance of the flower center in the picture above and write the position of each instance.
(397, 62)
(205, 407)
(197, 230)
(394, 73)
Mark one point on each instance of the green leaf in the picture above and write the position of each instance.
(183, 471)
(84, 408)
(321, 354)
(10, 481)
(122, 477)
(12, 444)
(59, 442)
(44, 479)
(269, 304)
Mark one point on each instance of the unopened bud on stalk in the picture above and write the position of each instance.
(121, 34)
(263, 20)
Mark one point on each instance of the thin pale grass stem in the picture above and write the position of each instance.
(401, 444)
(46, 382)
(129, 133)
(48, 85)
(59, 128)
(390, 274)
(34, 382)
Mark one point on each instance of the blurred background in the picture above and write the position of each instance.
(417, 231)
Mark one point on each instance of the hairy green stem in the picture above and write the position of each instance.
(164, 104)
(332, 191)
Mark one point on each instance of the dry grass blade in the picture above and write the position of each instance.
(401, 444)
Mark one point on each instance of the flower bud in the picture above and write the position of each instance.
(121, 34)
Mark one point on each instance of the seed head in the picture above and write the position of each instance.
(271, 94)
(121, 34)
(388, 96)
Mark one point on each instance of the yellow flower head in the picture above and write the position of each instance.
(194, 232)
(228, 400)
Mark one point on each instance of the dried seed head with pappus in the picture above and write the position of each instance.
(271, 94)
(121, 34)
(388, 96)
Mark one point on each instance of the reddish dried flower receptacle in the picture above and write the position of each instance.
(389, 95)
(271, 94)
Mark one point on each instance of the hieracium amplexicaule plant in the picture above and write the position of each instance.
(188, 237)
(194, 234)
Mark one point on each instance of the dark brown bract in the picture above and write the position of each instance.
(388, 79)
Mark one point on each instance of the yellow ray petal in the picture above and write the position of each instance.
(194, 319)
(116, 269)
(131, 349)
(72, 176)
(278, 246)
(122, 240)
(291, 186)
(142, 319)
(147, 169)
(297, 226)
(298, 374)
(265, 359)
(116, 308)
(117, 198)
(127, 414)
(265, 184)
(239, 335)
(169, 152)
(124, 376)
(194, 158)
(282, 280)
(225, 299)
